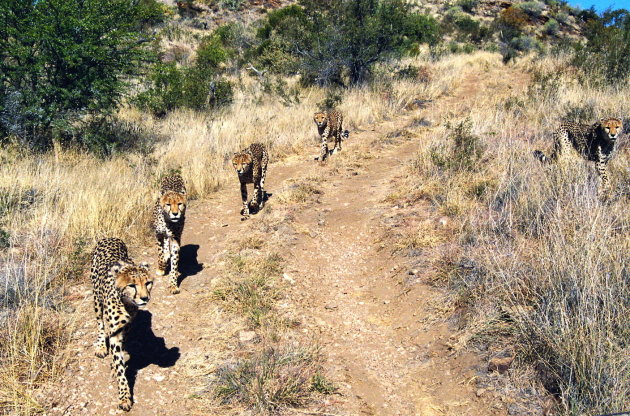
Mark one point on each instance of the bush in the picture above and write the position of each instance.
(468, 5)
(562, 17)
(340, 40)
(61, 60)
(170, 87)
(465, 152)
(532, 8)
(511, 23)
(233, 5)
(552, 27)
(271, 379)
(525, 44)
(606, 56)
(211, 52)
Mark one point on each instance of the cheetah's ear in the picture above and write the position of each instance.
(144, 265)
(117, 267)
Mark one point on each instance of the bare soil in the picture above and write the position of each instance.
(386, 334)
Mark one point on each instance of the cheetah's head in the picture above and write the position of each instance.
(134, 282)
(173, 206)
(611, 128)
(242, 162)
(320, 119)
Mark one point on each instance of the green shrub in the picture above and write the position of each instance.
(606, 55)
(211, 52)
(552, 27)
(525, 43)
(170, 87)
(5, 239)
(152, 12)
(562, 17)
(233, 5)
(468, 5)
(333, 99)
(61, 60)
(339, 41)
(532, 8)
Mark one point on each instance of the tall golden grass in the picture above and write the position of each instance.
(57, 204)
(537, 248)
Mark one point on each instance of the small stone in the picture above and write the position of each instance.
(288, 278)
(500, 364)
(480, 392)
(247, 336)
(413, 272)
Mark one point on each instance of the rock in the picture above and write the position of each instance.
(480, 392)
(413, 272)
(288, 278)
(500, 364)
(246, 337)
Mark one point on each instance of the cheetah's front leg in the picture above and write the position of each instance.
(337, 147)
(100, 345)
(164, 253)
(602, 170)
(119, 369)
(245, 210)
(261, 188)
(324, 151)
(174, 273)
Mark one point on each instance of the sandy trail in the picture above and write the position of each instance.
(385, 341)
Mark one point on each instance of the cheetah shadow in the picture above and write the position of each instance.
(145, 349)
(188, 263)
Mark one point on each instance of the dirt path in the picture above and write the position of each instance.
(386, 343)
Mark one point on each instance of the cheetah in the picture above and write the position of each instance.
(594, 142)
(168, 222)
(330, 124)
(120, 289)
(251, 166)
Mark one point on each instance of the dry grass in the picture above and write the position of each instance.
(56, 205)
(537, 248)
(272, 379)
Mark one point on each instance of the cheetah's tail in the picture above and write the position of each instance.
(540, 156)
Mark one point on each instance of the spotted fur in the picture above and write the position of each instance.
(120, 289)
(251, 166)
(168, 222)
(595, 142)
(330, 124)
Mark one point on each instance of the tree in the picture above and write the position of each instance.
(61, 60)
(606, 54)
(327, 41)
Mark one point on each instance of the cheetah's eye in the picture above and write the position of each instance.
(131, 285)
(149, 284)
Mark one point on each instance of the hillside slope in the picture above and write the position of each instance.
(385, 335)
